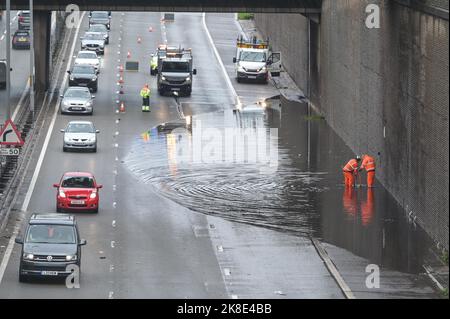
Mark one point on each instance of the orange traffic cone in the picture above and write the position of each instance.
(128, 54)
(122, 108)
(121, 68)
(150, 29)
(139, 39)
(121, 80)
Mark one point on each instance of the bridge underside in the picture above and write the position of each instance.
(256, 6)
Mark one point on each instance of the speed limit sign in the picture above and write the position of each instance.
(9, 151)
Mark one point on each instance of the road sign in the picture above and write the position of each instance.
(132, 66)
(9, 151)
(9, 135)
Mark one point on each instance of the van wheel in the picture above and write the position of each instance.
(23, 278)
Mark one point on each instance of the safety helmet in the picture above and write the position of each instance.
(358, 158)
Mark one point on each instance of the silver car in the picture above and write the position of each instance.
(77, 100)
(100, 28)
(93, 41)
(80, 135)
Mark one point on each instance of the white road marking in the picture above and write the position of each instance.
(219, 59)
(227, 271)
(111, 295)
(26, 201)
(113, 223)
(234, 297)
(332, 269)
(113, 243)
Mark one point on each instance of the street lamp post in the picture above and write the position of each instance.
(8, 59)
(32, 71)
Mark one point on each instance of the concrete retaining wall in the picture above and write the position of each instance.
(384, 91)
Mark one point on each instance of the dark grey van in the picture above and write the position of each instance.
(50, 244)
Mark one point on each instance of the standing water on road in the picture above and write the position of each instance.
(275, 166)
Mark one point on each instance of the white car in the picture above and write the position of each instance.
(88, 58)
(80, 135)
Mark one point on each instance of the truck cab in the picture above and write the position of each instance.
(175, 72)
(254, 60)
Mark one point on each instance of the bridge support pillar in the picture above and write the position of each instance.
(42, 21)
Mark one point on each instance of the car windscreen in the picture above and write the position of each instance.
(251, 56)
(51, 234)
(87, 55)
(93, 36)
(181, 67)
(82, 94)
(98, 28)
(80, 128)
(100, 15)
(77, 182)
(83, 69)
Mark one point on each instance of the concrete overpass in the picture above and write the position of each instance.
(259, 6)
(43, 8)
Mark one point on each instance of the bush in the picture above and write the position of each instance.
(245, 16)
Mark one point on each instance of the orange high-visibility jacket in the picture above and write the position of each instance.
(351, 166)
(368, 163)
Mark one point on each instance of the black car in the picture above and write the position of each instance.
(84, 75)
(100, 17)
(21, 40)
(50, 244)
(24, 20)
(2, 74)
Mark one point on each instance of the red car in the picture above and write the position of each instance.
(77, 191)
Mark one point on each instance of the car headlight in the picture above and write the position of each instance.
(94, 78)
(93, 195)
(71, 257)
(163, 78)
(62, 194)
(188, 79)
(88, 104)
(71, 78)
(241, 68)
(28, 256)
(263, 69)
(65, 103)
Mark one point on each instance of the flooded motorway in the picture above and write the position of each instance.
(276, 166)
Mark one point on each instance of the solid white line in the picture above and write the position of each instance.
(21, 100)
(219, 59)
(238, 25)
(10, 247)
(332, 269)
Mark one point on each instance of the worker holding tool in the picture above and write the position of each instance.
(368, 162)
(145, 93)
(350, 171)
